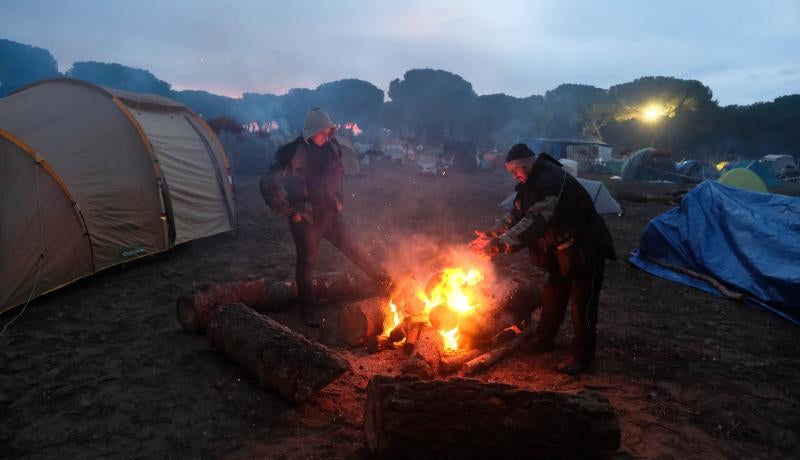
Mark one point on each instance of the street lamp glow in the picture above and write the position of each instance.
(652, 113)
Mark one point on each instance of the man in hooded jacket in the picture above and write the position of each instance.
(554, 217)
(304, 184)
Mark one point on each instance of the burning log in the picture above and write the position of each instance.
(361, 320)
(378, 343)
(453, 362)
(511, 308)
(408, 418)
(413, 331)
(423, 361)
(195, 308)
(443, 318)
(281, 358)
(399, 332)
(484, 361)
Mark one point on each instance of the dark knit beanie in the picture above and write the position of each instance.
(518, 152)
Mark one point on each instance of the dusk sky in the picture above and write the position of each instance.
(745, 51)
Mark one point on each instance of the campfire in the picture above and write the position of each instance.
(441, 302)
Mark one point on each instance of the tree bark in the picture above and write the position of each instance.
(262, 294)
(409, 418)
(281, 358)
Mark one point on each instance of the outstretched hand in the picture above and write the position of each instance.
(484, 245)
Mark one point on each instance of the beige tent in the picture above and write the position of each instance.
(91, 178)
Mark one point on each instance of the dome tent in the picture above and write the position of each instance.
(650, 164)
(141, 173)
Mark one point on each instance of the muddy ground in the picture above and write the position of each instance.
(102, 368)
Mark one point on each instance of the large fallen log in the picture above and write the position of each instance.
(262, 294)
(409, 418)
(281, 358)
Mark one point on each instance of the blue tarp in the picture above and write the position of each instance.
(750, 240)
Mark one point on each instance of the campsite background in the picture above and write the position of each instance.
(101, 367)
(430, 107)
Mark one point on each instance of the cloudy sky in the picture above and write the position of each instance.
(745, 51)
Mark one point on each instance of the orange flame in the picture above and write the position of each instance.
(455, 289)
(393, 320)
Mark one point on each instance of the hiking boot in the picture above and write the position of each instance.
(312, 317)
(537, 345)
(573, 366)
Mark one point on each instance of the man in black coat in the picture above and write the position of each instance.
(304, 184)
(554, 217)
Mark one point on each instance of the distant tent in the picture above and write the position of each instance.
(650, 164)
(115, 176)
(748, 241)
(743, 178)
(350, 155)
(779, 164)
(586, 152)
(604, 203)
(696, 171)
(763, 171)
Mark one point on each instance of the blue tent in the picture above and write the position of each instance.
(749, 240)
(762, 170)
(696, 171)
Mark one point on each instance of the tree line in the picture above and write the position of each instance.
(435, 106)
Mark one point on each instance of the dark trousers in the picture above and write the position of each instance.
(307, 238)
(582, 292)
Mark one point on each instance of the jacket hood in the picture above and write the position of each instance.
(316, 120)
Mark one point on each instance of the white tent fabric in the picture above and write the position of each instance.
(604, 203)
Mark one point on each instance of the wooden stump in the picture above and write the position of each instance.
(262, 294)
(410, 418)
(361, 320)
(281, 358)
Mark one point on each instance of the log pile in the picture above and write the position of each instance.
(282, 359)
(360, 322)
(194, 309)
(409, 418)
